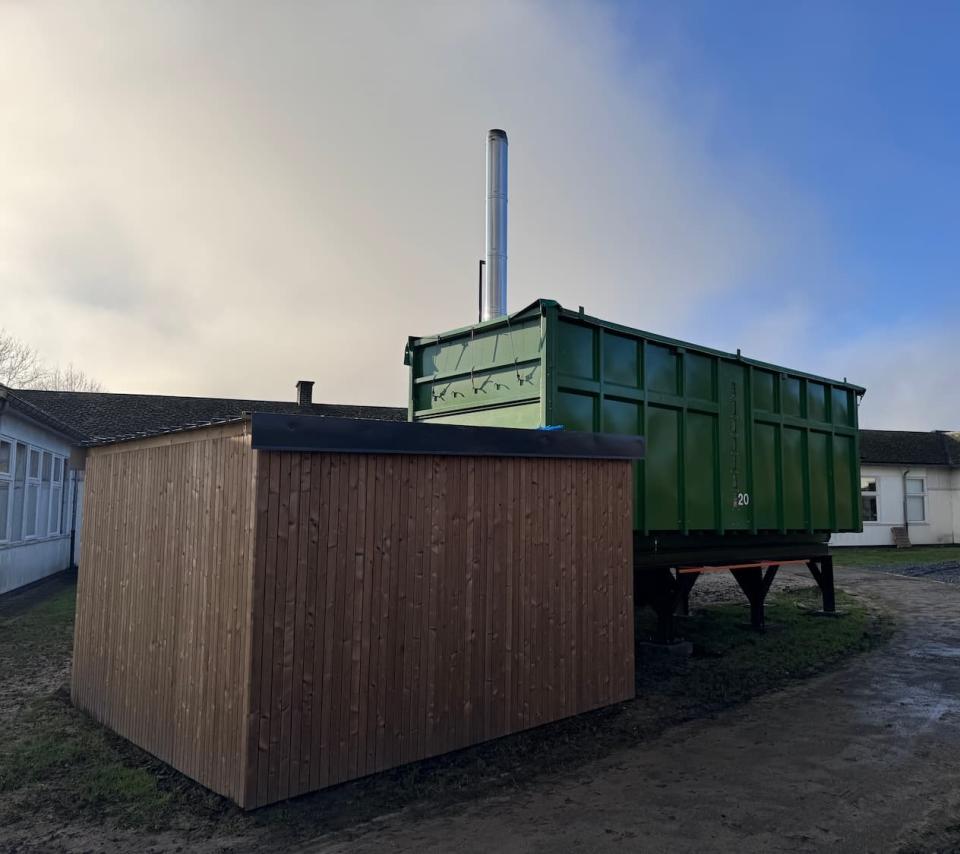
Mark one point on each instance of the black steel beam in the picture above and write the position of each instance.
(755, 583)
(823, 575)
(315, 433)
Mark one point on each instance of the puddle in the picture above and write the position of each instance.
(935, 650)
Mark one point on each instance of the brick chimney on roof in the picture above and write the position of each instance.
(304, 392)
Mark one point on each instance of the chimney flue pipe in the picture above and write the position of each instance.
(493, 301)
(304, 392)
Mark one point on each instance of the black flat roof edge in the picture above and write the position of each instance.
(318, 433)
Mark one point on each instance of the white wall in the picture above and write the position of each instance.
(942, 523)
(27, 561)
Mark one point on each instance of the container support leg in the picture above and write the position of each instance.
(755, 583)
(685, 582)
(823, 575)
(659, 589)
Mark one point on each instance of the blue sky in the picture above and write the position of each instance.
(222, 198)
(857, 104)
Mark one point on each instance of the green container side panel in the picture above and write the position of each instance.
(576, 411)
(794, 480)
(734, 447)
(699, 381)
(479, 389)
(820, 465)
(791, 397)
(766, 478)
(661, 369)
(816, 402)
(843, 406)
(622, 360)
(733, 463)
(577, 351)
(662, 500)
(847, 502)
(526, 416)
(764, 396)
(700, 481)
(491, 368)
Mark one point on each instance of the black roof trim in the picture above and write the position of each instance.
(310, 433)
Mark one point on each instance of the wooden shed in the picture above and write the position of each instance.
(287, 602)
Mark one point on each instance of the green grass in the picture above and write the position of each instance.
(46, 629)
(915, 556)
(56, 754)
(732, 663)
(53, 758)
(57, 765)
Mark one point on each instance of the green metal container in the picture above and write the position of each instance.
(738, 451)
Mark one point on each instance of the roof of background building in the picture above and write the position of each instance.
(100, 417)
(907, 447)
(40, 416)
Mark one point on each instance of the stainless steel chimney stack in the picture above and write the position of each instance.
(493, 301)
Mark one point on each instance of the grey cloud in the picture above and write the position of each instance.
(298, 187)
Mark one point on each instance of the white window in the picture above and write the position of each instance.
(43, 507)
(6, 488)
(32, 495)
(868, 499)
(916, 499)
(56, 496)
(19, 490)
(31, 492)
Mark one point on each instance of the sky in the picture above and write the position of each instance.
(222, 198)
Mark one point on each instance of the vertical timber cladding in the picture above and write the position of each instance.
(273, 622)
(410, 605)
(163, 598)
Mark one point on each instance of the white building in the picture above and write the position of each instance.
(908, 480)
(36, 492)
(43, 440)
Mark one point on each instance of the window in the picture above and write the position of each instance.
(43, 507)
(868, 499)
(6, 487)
(56, 496)
(32, 495)
(31, 492)
(916, 488)
(19, 481)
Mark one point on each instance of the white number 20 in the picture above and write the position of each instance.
(743, 499)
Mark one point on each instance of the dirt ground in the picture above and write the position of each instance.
(866, 758)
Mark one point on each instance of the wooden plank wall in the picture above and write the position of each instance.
(163, 604)
(405, 606)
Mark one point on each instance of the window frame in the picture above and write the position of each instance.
(55, 512)
(55, 493)
(870, 493)
(922, 495)
(7, 478)
(34, 481)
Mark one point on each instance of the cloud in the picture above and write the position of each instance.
(222, 198)
(910, 371)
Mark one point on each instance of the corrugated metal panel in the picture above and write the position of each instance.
(733, 444)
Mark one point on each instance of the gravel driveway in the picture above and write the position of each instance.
(866, 758)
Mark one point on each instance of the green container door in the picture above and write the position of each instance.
(733, 445)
